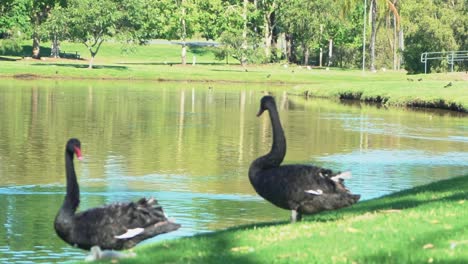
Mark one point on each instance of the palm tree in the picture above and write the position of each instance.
(374, 10)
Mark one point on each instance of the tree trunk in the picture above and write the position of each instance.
(184, 35)
(244, 34)
(320, 57)
(321, 50)
(396, 33)
(267, 37)
(97, 45)
(330, 52)
(274, 37)
(91, 61)
(364, 37)
(395, 41)
(306, 55)
(289, 44)
(36, 48)
(401, 45)
(55, 49)
(269, 22)
(373, 33)
(184, 53)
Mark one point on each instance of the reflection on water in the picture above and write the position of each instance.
(190, 147)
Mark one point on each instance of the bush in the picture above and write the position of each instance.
(10, 47)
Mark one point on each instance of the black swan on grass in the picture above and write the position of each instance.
(117, 226)
(303, 189)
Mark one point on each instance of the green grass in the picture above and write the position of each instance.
(396, 90)
(161, 62)
(426, 224)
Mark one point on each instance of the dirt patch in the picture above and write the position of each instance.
(26, 76)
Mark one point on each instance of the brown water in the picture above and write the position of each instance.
(190, 146)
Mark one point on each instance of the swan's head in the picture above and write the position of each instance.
(74, 146)
(266, 103)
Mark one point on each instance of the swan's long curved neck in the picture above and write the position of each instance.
(278, 149)
(72, 198)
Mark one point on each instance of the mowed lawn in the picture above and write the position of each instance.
(161, 62)
(426, 224)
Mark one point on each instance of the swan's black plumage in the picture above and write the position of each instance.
(102, 226)
(303, 189)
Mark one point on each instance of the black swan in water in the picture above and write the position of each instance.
(303, 189)
(116, 226)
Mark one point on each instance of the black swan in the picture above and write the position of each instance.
(303, 189)
(117, 226)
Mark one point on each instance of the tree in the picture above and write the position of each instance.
(39, 12)
(236, 38)
(308, 23)
(14, 19)
(378, 7)
(430, 30)
(55, 29)
(91, 24)
(264, 22)
(347, 34)
(181, 23)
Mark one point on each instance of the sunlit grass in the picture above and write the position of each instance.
(446, 91)
(427, 224)
(161, 62)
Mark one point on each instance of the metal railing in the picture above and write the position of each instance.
(450, 56)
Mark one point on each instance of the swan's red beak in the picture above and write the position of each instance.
(78, 153)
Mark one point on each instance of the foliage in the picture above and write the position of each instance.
(426, 32)
(232, 40)
(91, 24)
(213, 21)
(232, 45)
(56, 25)
(10, 47)
(183, 21)
(143, 20)
(297, 29)
(310, 23)
(14, 19)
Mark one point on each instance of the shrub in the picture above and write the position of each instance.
(10, 47)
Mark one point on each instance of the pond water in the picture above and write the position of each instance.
(190, 146)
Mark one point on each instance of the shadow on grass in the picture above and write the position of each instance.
(199, 50)
(218, 247)
(27, 51)
(401, 200)
(82, 66)
(203, 248)
(225, 250)
(7, 59)
(232, 70)
(172, 63)
(224, 246)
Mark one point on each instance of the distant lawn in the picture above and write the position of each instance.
(111, 53)
(426, 224)
(161, 62)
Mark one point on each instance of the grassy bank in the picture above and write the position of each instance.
(427, 224)
(160, 62)
(444, 91)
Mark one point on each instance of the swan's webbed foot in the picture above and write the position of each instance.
(295, 216)
(97, 254)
